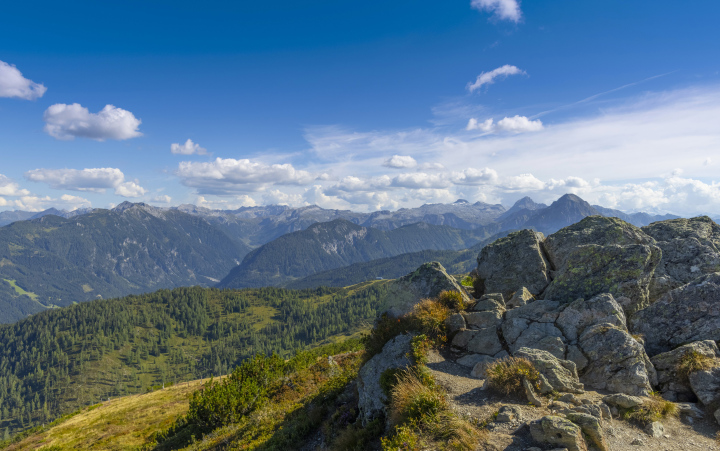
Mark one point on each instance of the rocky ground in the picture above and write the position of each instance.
(509, 431)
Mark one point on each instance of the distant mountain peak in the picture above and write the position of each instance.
(461, 201)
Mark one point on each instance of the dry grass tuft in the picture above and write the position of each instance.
(506, 375)
(655, 408)
(430, 316)
(693, 361)
(412, 400)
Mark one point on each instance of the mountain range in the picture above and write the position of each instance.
(55, 258)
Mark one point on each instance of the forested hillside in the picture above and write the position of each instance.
(340, 243)
(61, 359)
(53, 261)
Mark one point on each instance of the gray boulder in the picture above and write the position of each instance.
(471, 360)
(581, 314)
(623, 401)
(602, 255)
(616, 361)
(598, 230)
(481, 320)
(672, 386)
(520, 297)
(513, 262)
(706, 385)
(533, 326)
(560, 374)
(690, 249)
(485, 341)
(590, 425)
(372, 399)
(454, 323)
(481, 366)
(489, 303)
(559, 432)
(684, 315)
(426, 282)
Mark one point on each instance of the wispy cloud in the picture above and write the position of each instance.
(400, 161)
(13, 84)
(488, 78)
(515, 124)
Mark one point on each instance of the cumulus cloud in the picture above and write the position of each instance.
(68, 122)
(162, 199)
(486, 126)
(13, 84)
(10, 188)
(96, 180)
(488, 78)
(501, 9)
(519, 124)
(188, 148)
(472, 176)
(420, 180)
(227, 175)
(515, 124)
(400, 161)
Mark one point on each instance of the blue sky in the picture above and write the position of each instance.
(360, 105)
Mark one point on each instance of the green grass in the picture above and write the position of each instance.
(20, 291)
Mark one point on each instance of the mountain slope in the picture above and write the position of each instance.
(62, 359)
(134, 248)
(340, 243)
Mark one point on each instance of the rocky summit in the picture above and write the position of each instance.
(617, 327)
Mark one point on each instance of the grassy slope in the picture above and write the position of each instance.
(129, 365)
(118, 424)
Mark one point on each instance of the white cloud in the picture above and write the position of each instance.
(162, 199)
(522, 182)
(488, 78)
(188, 148)
(400, 161)
(486, 126)
(130, 189)
(67, 122)
(519, 124)
(277, 197)
(516, 124)
(420, 180)
(501, 9)
(226, 204)
(472, 176)
(96, 180)
(13, 84)
(10, 188)
(227, 176)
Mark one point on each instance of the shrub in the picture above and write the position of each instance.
(388, 379)
(429, 318)
(457, 432)
(386, 328)
(506, 375)
(467, 281)
(405, 438)
(358, 438)
(452, 300)
(693, 361)
(412, 400)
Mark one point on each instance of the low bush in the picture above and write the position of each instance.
(693, 361)
(506, 375)
(386, 328)
(452, 300)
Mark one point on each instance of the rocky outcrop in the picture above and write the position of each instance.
(673, 386)
(684, 315)
(513, 262)
(602, 255)
(690, 249)
(426, 282)
(559, 432)
(371, 397)
(533, 325)
(560, 374)
(520, 297)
